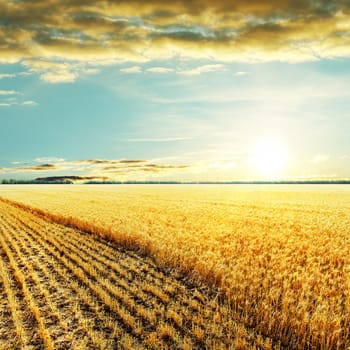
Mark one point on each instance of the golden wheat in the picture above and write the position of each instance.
(280, 254)
(68, 289)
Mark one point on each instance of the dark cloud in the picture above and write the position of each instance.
(131, 161)
(98, 168)
(107, 161)
(106, 32)
(126, 167)
(40, 167)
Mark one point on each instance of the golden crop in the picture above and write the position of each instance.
(62, 288)
(279, 254)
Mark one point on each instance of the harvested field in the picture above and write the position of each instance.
(278, 255)
(62, 288)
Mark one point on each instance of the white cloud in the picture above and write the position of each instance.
(5, 75)
(131, 70)
(57, 71)
(15, 103)
(8, 92)
(29, 103)
(164, 139)
(59, 77)
(25, 74)
(240, 73)
(159, 70)
(18, 163)
(91, 71)
(204, 69)
(49, 160)
(54, 72)
(320, 158)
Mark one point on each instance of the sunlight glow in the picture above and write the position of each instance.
(269, 157)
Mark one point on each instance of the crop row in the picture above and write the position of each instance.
(68, 289)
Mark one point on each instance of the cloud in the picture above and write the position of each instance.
(160, 70)
(15, 103)
(8, 92)
(29, 103)
(132, 161)
(131, 70)
(4, 75)
(24, 74)
(151, 168)
(91, 71)
(16, 162)
(52, 72)
(106, 161)
(162, 139)
(124, 166)
(59, 77)
(58, 71)
(11, 99)
(204, 69)
(90, 169)
(240, 73)
(40, 167)
(49, 160)
(78, 35)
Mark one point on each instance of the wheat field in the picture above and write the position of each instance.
(65, 289)
(277, 258)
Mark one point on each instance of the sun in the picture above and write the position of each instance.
(269, 157)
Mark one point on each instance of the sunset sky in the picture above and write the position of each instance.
(175, 90)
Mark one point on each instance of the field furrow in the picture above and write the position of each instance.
(25, 322)
(194, 319)
(85, 302)
(85, 292)
(61, 303)
(88, 321)
(12, 331)
(31, 291)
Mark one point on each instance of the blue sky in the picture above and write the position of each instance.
(167, 109)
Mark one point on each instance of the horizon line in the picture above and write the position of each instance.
(74, 180)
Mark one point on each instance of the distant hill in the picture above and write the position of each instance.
(69, 178)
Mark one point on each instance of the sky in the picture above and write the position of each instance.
(180, 90)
